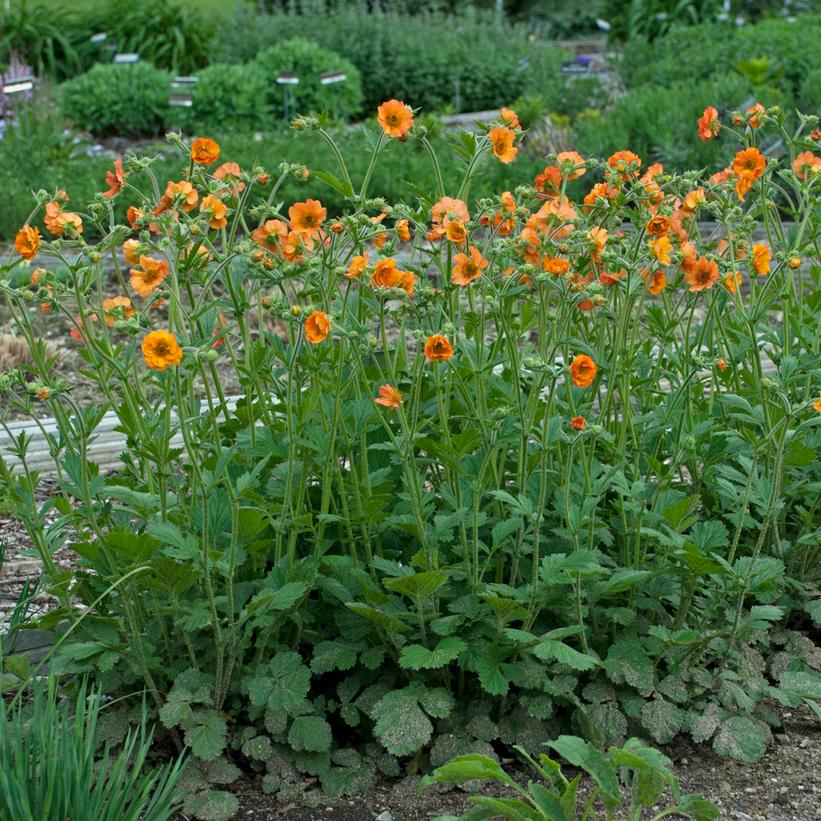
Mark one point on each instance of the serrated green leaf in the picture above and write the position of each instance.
(333, 655)
(742, 738)
(417, 657)
(310, 733)
(206, 737)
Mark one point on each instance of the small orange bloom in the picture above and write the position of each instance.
(658, 282)
(403, 230)
(721, 364)
(708, 124)
(443, 212)
(748, 166)
(386, 274)
(502, 139)
(658, 225)
(132, 215)
(600, 191)
(732, 282)
(761, 259)
(115, 179)
(357, 266)
(456, 232)
(661, 248)
(269, 234)
(510, 118)
(389, 397)
(117, 307)
(438, 348)
(317, 327)
(693, 200)
(396, 118)
(572, 164)
(131, 251)
(703, 275)
(817, 404)
(307, 217)
(231, 173)
(626, 163)
(149, 276)
(753, 112)
(549, 182)
(27, 242)
(583, 370)
(182, 192)
(806, 165)
(57, 220)
(598, 236)
(468, 268)
(160, 350)
(555, 265)
(578, 423)
(204, 151)
(216, 210)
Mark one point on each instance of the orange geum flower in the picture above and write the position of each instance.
(27, 242)
(600, 191)
(389, 397)
(626, 163)
(216, 211)
(115, 179)
(583, 370)
(549, 182)
(131, 251)
(396, 118)
(468, 268)
(572, 164)
(748, 166)
(307, 217)
(753, 114)
(117, 307)
(204, 151)
(294, 245)
(182, 192)
(317, 327)
(502, 139)
(817, 404)
(231, 173)
(57, 220)
(132, 215)
(555, 265)
(403, 230)
(658, 225)
(761, 257)
(692, 200)
(806, 165)
(357, 266)
(456, 232)
(732, 281)
(386, 274)
(380, 239)
(657, 283)
(661, 248)
(269, 234)
(161, 350)
(598, 236)
(703, 275)
(149, 275)
(438, 348)
(510, 118)
(708, 124)
(578, 423)
(407, 281)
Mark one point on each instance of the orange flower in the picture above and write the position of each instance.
(721, 364)
(658, 225)
(204, 151)
(216, 210)
(708, 124)
(704, 275)
(438, 348)
(389, 397)
(132, 215)
(689, 257)
(57, 220)
(115, 179)
(357, 266)
(307, 217)
(182, 191)
(598, 236)
(456, 232)
(467, 269)
(27, 242)
(549, 182)
(817, 404)
(600, 191)
(806, 165)
(160, 349)
(555, 265)
(502, 139)
(761, 259)
(149, 276)
(732, 282)
(231, 172)
(269, 234)
(131, 251)
(610, 278)
(510, 118)
(661, 248)
(658, 282)
(317, 327)
(753, 112)
(693, 200)
(626, 163)
(117, 307)
(572, 164)
(403, 230)
(385, 274)
(578, 423)
(443, 212)
(396, 118)
(583, 370)
(748, 166)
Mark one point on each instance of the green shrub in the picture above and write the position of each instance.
(417, 59)
(309, 61)
(810, 92)
(127, 100)
(659, 123)
(49, 767)
(229, 96)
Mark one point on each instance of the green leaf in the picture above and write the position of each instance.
(581, 754)
(417, 657)
(181, 547)
(281, 684)
(343, 188)
(802, 684)
(401, 725)
(627, 662)
(333, 655)
(418, 585)
(213, 805)
(207, 737)
(282, 599)
(473, 767)
(662, 719)
(310, 733)
(564, 654)
(742, 738)
(547, 803)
